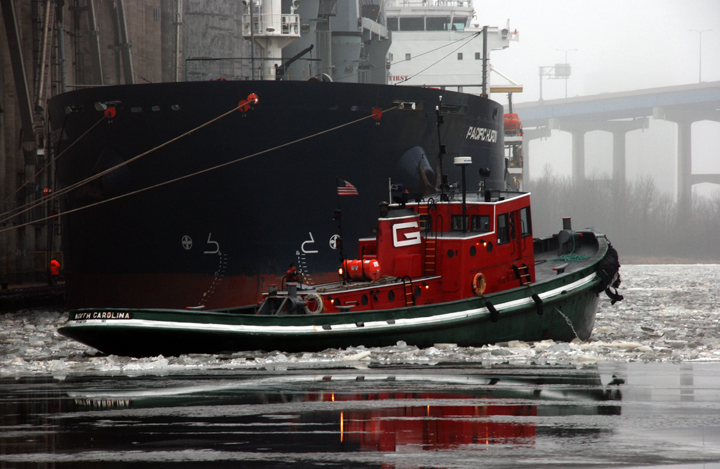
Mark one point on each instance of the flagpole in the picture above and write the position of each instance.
(339, 219)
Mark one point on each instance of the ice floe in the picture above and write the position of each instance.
(670, 313)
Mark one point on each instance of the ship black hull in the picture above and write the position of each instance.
(218, 238)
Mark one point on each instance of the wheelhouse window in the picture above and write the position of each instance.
(457, 222)
(437, 24)
(503, 229)
(392, 24)
(412, 23)
(460, 56)
(525, 222)
(459, 23)
(480, 223)
(511, 224)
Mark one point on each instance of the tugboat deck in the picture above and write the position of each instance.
(549, 263)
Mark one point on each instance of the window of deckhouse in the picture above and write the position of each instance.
(457, 222)
(459, 23)
(525, 222)
(503, 229)
(480, 223)
(412, 23)
(437, 23)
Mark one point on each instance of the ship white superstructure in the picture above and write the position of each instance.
(438, 43)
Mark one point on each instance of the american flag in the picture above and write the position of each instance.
(345, 188)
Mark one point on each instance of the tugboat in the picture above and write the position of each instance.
(457, 267)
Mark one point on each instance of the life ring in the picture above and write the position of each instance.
(313, 298)
(479, 284)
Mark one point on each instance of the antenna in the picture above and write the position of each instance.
(463, 161)
(441, 149)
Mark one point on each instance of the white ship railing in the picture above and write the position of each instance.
(264, 25)
(429, 3)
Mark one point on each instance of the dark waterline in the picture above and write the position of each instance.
(449, 415)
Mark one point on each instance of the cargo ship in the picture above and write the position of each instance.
(192, 194)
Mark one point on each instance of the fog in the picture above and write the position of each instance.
(613, 46)
(650, 153)
(621, 45)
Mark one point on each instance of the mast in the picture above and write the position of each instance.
(95, 56)
(272, 31)
(129, 72)
(485, 62)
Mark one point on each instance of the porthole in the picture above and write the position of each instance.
(450, 253)
(472, 251)
(391, 296)
(364, 300)
(489, 246)
(418, 292)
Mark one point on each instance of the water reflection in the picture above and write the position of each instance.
(343, 412)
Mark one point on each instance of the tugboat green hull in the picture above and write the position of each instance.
(566, 310)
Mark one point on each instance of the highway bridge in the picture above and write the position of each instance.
(623, 112)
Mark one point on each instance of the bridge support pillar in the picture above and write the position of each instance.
(578, 155)
(684, 166)
(619, 130)
(685, 178)
(528, 135)
(619, 157)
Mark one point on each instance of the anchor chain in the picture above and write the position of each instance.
(569, 322)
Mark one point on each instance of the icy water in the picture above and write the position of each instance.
(643, 391)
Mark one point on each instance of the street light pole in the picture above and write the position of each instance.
(566, 61)
(543, 72)
(700, 31)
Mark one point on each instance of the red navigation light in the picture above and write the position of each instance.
(253, 98)
(47, 191)
(376, 114)
(110, 112)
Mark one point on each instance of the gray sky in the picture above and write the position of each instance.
(621, 45)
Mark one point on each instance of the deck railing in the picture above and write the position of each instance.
(429, 3)
(264, 25)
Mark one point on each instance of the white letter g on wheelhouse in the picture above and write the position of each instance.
(410, 237)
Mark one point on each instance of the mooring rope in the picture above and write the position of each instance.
(222, 165)
(31, 205)
(571, 256)
(45, 167)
